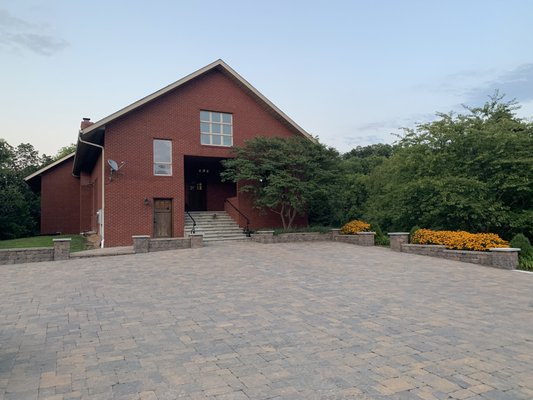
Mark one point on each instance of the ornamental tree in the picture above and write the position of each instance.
(285, 176)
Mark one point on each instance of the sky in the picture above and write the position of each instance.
(350, 72)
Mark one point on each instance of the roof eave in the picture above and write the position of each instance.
(86, 155)
(49, 166)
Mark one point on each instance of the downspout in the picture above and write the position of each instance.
(103, 187)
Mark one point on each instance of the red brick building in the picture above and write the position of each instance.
(137, 170)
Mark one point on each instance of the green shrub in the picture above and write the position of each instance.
(525, 257)
(381, 239)
(521, 242)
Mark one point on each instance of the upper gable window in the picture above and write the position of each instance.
(162, 157)
(216, 128)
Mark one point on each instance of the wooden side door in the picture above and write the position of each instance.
(162, 218)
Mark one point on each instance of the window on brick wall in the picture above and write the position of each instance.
(216, 128)
(162, 157)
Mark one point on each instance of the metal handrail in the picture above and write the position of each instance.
(247, 229)
(193, 230)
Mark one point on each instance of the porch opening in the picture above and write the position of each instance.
(204, 190)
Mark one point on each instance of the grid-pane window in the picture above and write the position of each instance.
(162, 157)
(216, 128)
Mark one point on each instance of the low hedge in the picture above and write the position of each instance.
(459, 240)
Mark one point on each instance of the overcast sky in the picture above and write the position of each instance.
(351, 72)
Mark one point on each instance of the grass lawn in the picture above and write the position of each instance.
(77, 243)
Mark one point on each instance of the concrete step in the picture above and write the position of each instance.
(222, 227)
(210, 220)
(214, 228)
(211, 223)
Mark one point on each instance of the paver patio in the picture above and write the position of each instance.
(316, 320)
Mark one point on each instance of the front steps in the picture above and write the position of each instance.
(214, 225)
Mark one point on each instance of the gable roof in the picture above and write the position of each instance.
(87, 154)
(218, 65)
(31, 179)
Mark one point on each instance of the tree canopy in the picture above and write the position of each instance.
(470, 171)
(19, 206)
(283, 175)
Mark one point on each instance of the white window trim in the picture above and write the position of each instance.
(210, 134)
(154, 162)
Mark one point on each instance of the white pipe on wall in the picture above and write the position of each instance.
(102, 214)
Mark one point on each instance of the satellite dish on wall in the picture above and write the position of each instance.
(114, 167)
(113, 164)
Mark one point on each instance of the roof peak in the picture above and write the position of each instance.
(217, 63)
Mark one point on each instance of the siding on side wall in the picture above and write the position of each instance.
(60, 200)
(175, 116)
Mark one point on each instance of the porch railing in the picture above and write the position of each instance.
(193, 230)
(247, 229)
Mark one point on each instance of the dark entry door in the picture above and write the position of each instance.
(162, 218)
(197, 196)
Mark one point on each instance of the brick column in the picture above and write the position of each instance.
(197, 240)
(334, 232)
(61, 249)
(397, 239)
(141, 243)
(367, 238)
(505, 257)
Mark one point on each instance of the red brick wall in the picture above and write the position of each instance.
(217, 192)
(174, 116)
(60, 204)
(263, 220)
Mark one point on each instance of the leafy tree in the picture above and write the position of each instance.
(352, 192)
(470, 171)
(287, 176)
(65, 151)
(19, 206)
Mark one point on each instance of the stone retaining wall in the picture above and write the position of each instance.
(20, 256)
(361, 239)
(169, 244)
(60, 251)
(505, 258)
(144, 244)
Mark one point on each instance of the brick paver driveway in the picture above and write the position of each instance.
(249, 321)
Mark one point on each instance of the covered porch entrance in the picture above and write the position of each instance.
(204, 191)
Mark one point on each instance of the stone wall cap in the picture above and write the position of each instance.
(62, 240)
(397, 233)
(480, 253)
(196, 234)
(365, 233)
(263, 232)
(505, 249)
(24, 249)
(141, 236)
